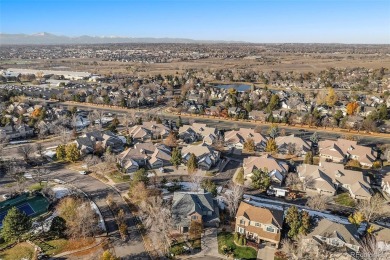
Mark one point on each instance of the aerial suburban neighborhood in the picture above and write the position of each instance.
(172, 148)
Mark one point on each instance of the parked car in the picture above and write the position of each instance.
(83, 172)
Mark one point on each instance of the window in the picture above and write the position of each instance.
(270, 229)
(194, 217)
(257, 224)
(242, 222)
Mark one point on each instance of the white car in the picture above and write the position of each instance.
(83, 172)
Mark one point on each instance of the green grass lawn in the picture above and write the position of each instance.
(241, 252)
(118, 177)
(345, 200)
(36, 187)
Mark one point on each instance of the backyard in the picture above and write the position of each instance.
(345, 200)
(226, 244)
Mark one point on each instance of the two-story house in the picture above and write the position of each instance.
(259, 224)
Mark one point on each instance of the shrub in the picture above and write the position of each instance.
(236, 236)
(177, 250)
(376, 165)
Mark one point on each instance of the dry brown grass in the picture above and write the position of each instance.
(286, 62)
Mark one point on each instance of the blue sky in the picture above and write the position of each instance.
(347, 21)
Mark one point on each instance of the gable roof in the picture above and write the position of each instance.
(240, 136)
(261, 214)
(266, 161)
(327, 228)
(188, 203)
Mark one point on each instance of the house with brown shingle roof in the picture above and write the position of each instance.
(342, 150)
(144, 154)
(237, 138)
(196, 131)
(334, 234)
(206, 156)
(149, 130)
(301, 146)
(326, 178)
(259, 224)
(277, 170)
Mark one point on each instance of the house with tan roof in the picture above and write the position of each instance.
(277, 170)
(92, 141)
(144, 154)
(341, 236)
(343, 150)
(206, 156)
(292, 144)
(237, 138)
(197, 132)
(327, 177)
(148, 131)
(259, 224)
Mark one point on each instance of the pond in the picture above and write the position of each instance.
(238, 87)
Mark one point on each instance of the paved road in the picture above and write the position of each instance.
(98, 192)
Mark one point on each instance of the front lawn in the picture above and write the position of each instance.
(118, 177)
(20, 251)
(345, 200)
(56, 246)
(225, 240)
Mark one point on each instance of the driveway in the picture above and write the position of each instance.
(266, 253)
(210, 242)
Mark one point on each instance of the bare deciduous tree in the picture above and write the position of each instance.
(63, 133)
(317, 202)
(293, 180)
(91, 160)
(25, 151)
(372, 250)
(233, 197)
(158, 221)
(39, 148)
(373, 208)
(196, 180)
(40, 174)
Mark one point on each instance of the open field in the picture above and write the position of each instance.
(281, 62)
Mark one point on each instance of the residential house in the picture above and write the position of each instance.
(206, 156)
(326, 178)
(237, 138)
(97, 141)
(16, 131)
(354, 121)
(258, 115)
(196, 132)
(292, 144)
(277, 170)
(148, 131)
(382, 238)
(259, 224)
(144, 154)
(342, 150)
(339, 235)
(213, 111)
(232, 111)
(194, 206)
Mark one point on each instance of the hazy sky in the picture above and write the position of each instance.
(347, 21)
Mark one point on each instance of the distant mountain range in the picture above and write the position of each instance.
(48, 38)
